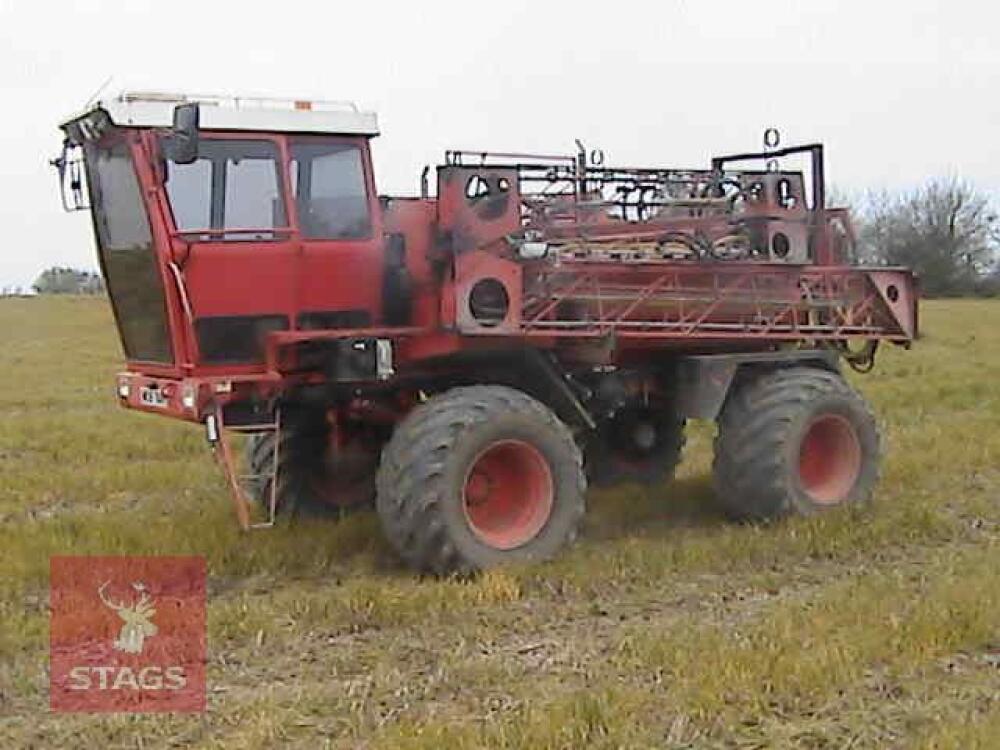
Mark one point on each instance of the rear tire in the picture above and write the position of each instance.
(638, 444)
(477, 477)
(796, 440)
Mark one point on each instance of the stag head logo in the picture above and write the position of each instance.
(137, 622)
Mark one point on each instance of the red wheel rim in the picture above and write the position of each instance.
(829, 459)
(507, 494)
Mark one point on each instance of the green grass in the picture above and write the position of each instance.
(664, 627)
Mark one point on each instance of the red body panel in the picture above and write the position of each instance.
(339, 275)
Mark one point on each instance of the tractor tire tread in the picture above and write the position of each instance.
(750, 478)
(410, 479)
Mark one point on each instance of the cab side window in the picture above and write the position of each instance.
(233, 188)
(330, 191)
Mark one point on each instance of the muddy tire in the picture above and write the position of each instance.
(307, 482)
(797, 440)
(638, 444)
(478, 477)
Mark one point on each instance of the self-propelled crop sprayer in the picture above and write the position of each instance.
(469, 360)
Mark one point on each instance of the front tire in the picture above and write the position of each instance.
(315, 475)
(794, 441)
(478, 477)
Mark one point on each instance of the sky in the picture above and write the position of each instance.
(900, 92)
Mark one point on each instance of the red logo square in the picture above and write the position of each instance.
(127, 634)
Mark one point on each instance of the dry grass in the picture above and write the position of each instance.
(666, 627)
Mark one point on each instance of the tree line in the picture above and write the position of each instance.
(64, 280)
(946, 230)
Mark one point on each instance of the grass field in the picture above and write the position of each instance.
(665, 627)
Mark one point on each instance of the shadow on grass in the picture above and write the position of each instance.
(657, 511)
(355, 543)
(328, 547)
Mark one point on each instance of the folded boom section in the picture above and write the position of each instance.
(726, 300)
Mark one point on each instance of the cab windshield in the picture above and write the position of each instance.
(125, 250)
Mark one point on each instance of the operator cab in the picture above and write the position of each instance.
(221, 219)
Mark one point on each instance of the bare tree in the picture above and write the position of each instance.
(947, 230)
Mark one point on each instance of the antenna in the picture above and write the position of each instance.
(100, 90)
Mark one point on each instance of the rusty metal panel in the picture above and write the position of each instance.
(477, 205)
(488, 294)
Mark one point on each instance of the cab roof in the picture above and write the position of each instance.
(155, 109)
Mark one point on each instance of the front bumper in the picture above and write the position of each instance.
(188, 399)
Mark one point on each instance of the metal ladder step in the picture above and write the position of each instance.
(218, 438)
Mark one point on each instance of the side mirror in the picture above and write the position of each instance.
(69, 165)
(181, 146)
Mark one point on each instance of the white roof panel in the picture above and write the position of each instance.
(154, 109)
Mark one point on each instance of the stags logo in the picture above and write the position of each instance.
(127, 634)
(137, 622)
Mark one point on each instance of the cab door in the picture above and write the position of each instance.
(340, 231)
(233, 245)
